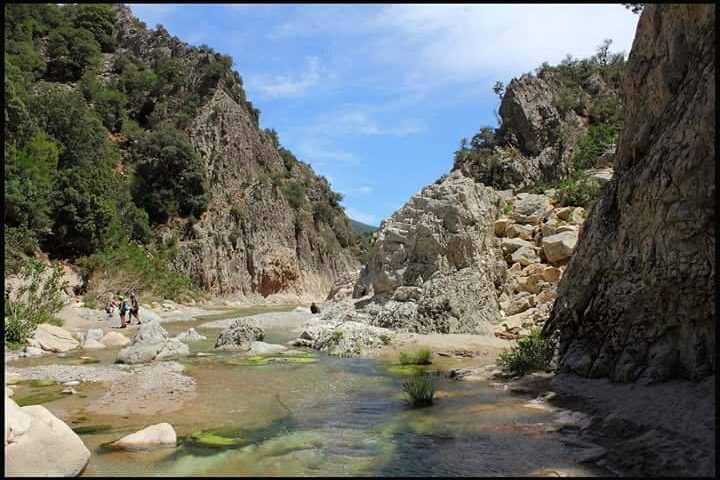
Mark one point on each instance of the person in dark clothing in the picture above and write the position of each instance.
(314, 308)
(134, 309)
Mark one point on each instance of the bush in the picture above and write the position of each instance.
(578, 191)
(419, 391)
(294, 193)
(599, 137)
(530, 354)
(19, 243)
(421, 357)
(130, 267)
(35, 301)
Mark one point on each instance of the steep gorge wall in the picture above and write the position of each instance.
(637, 300)
(251, 241)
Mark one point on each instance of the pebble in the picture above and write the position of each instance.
(70, 391)
(72, 383)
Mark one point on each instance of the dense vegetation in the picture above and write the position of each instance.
(97, 150)
(589, 87)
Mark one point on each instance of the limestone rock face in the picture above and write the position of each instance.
(251, 241)
(433, 267)
(53, 339)
(33, 439)
(160, 435)
(537, 139)
(637, 300)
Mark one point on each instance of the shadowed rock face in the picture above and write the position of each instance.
(250, 241)
(637, 300)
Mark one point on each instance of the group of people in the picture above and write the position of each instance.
(129, 307)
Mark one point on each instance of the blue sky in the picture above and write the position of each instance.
(377, 97)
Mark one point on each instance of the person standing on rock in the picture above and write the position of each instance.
(124, 307)
(314, 308)
(134, 309)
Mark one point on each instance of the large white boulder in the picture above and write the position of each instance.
(53, 339)
(262, 348)
(40, 444)
(190, 335)
(160, 435)
(92, 344)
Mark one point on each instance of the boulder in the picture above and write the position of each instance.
(530, 283)
(519, 303)
(560, 246)
(114, 339)
(160, 435)
(347, 339)
(262, 348)
(525, 256)
(190, 335)
(151, 342)
(32, 352)
(530, 208)
(501, 225)
(551, 274)
(239, 335)
(520, 231)
(94, 334)
(406, 294)
(509, 245)
(34, 438)
(91, 344)
(54, 339)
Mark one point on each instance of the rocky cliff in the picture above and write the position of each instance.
(637, 300)
(471, 253)
(272, 226)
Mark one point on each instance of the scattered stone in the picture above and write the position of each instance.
(114, 339)
(519, 230)
(501, 226)
(70, 391)
(525, 256)
(160, 435)
(559, 247)
(32, 352)
(530, 208)
(509, 245)
(551, 274)
(190, 335)
(94, 334)
(72, 383)
(91, 344)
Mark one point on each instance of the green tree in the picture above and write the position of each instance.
(170, 178)
(98, 19)
(70, 52)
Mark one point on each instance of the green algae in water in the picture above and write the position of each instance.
(90, 429)
(208, 439)
(39, 398)
(38, 383)
(259, 360)
(404, 370)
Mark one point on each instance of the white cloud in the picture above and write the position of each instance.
(319, 151)
(153, 13)
(363, 217)
(277, 86)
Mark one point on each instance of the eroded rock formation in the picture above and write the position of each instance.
(251, 240)
(637, 300)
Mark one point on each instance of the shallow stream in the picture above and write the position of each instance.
(324, 416)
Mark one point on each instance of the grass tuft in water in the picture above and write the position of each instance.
(419, 390)
(421, 357)
(530, 354)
